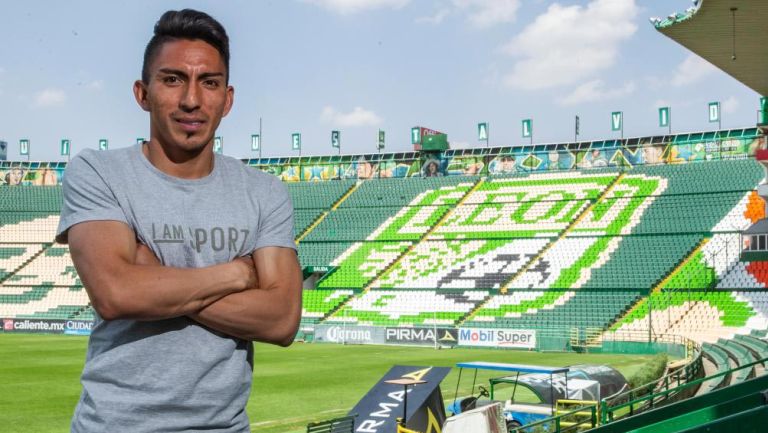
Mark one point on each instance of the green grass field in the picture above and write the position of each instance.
(39, 376)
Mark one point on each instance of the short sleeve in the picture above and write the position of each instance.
(87, 196)
(276, 223)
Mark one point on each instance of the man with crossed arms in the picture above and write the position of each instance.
(187, 256)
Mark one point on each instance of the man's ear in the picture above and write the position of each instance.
(140, 93)
(230, 100)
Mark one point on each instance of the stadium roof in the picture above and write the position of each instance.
(708, 30)
(758, 228)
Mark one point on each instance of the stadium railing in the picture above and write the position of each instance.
(630, 402)
(579, 419)
(631, 341)
(742, 405)
(613, 418)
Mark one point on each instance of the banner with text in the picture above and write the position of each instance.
(505, 338)
(422, 336)
(350, 334)
(378, 410)
(45, 326)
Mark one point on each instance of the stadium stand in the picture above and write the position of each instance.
(314, 195)
(468, 264)
(316, 304)
(310, 200)
(594, 248)
(583, 309)
(13, 256)
(739, 355)
(719, 359)
(409, 307)
(321, 253)
(361, 263)
(629, 253)
(53, 266)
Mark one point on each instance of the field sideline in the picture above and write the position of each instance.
(39, 374)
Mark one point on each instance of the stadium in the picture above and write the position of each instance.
(646, 254)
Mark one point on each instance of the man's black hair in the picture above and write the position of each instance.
(186, 24)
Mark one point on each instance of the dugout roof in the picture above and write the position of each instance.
(708, 30)
(514, 368)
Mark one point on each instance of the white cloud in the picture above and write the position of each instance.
(730, 105)
(487, 13)
(595, 90)
(654, 82)
(661, 103)
(569, 44)
(480, 13)
(357, 117)
(437, 18)
(49, 98)
(95, 85)
(349, 7)
(692, 70)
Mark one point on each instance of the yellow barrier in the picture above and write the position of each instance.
(402, 429)
(590, 412)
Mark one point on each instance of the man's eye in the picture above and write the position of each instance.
(211, 83)
(171, 80)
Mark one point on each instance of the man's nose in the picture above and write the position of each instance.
(190, 100)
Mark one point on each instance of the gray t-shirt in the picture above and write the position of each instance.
(172, 375)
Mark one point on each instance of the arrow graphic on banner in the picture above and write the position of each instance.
(418, 374)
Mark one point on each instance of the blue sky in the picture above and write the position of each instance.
(312, 66)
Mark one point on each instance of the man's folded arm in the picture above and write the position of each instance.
(271, 311)
(104, 254)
